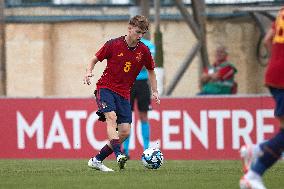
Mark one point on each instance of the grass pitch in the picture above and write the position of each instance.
(69, 174)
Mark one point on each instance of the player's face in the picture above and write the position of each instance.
(135, 33)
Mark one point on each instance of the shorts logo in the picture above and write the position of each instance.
(103, 105)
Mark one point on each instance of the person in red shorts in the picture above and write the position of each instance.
(259, 158)
(125, 56)
(219, 78)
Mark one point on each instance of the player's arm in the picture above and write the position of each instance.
(153, 82)
(102, 54)
(89, 70)
(268, 39)
(205, 77)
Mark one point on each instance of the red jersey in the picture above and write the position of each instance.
(225, 70)
(274, 76)
(123, 65)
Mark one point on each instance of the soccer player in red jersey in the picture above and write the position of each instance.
(259, 158)
(125, 56)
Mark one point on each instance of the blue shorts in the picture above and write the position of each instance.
(278, 95)
(109, 101)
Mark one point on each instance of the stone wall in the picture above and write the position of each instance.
(49, 59)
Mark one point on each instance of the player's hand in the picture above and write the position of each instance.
(87, 78)
(156, 97)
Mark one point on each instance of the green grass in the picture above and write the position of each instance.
(68, 174)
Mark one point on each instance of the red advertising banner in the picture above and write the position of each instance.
(183, 128)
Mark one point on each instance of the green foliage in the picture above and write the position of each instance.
(159, 60)
(71, 174)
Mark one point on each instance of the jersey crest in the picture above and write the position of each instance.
(138, 56)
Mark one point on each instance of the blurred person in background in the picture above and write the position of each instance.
(257, 159)
(141, 95)
(219, 78)
(125, 56)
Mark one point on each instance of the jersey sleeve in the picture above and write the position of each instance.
(104, 52)
(226, 72)
(149, 62)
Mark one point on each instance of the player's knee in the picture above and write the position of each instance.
(125, 133)
(111, 116)
(143, 116)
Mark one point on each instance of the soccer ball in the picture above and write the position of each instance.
(152, 158)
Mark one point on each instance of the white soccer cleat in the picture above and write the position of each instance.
(247, 183)
(250, 180)
(121, 161)
(96, 164)
(248, 156)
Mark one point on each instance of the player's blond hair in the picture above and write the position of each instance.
(140, 21)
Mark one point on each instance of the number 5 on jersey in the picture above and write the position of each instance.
(127, 66)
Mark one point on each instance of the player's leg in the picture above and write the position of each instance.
(126, 147)
(248, 154)
(123, 132)
(105, 102)
(113, 137)
(124, 120)
(107, 105)
(271, 149)
(144, 103)
(145, 128)
(132, 102)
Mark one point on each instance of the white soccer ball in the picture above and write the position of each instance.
(152, 158)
